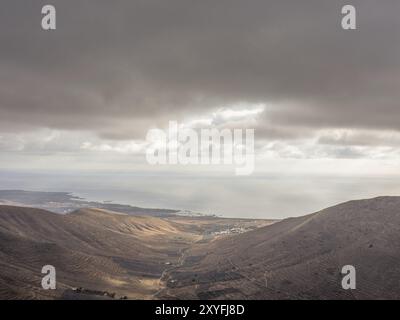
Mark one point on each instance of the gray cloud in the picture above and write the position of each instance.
(117, 68)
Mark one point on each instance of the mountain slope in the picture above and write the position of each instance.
(301, 258)
(90, 248)
(97, 250)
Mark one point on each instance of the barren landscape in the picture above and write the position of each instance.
(101, 254)
(301, 258)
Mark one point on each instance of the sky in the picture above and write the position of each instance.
(324, 102)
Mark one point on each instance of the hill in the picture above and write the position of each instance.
(300, 258)
(100, 251)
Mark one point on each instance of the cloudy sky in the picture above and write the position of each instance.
(324, 101)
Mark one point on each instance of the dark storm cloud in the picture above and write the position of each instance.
(119, 67)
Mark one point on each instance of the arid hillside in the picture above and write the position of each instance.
(112, 255)
(300, 258)
(97, 250)
(92, 249)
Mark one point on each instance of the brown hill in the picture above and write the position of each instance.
(300, 258)
(97, 250)
(90, 248)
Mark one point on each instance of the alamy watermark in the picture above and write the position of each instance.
(349, 18)
(188, 146)
(49, 17)
(349, 279)
(348, 21)
(49, 280)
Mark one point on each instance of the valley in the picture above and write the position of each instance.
(97, 251)
(103, 254)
